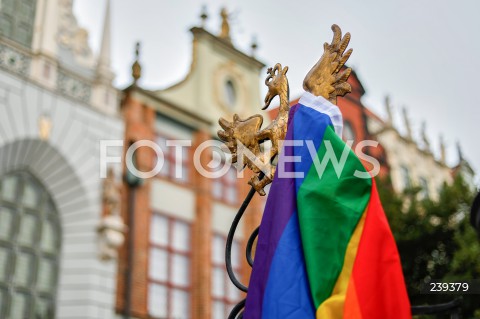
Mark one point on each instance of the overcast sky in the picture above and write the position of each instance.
(425, 54)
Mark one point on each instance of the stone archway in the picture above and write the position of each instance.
(82, 277)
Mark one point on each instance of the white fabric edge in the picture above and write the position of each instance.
(322, 105)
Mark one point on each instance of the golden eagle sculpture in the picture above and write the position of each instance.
(245, 138)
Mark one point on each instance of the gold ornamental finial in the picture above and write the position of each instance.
(327, 78)
(136, 67)
(204, 15)
(225, 33)
(254, 45)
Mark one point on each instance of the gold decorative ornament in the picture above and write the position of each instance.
(44, 127)
(246, 140)
(204, 16)
(136, 67)
(327, 78)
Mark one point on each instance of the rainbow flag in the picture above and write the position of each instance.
(325, 249)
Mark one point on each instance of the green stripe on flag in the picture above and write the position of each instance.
(329, 209)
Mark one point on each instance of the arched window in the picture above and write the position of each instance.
(230, 93)
(29, 248)
(17, 18)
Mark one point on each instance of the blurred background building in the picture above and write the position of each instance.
(406, 161)
(56, 104)
(60, 222)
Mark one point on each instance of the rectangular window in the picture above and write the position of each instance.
(225, 187)
(224, 293)
(8, 6)
(169, 268)
(6, 26)
(17, 20)
(170, 169)
(424, 193)
(406, 177)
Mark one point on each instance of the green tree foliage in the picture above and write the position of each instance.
(435, 240)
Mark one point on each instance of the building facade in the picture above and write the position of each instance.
(56, 104)
(181, 217)
(407, 162)
(412, 164)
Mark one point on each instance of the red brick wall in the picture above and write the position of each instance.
(202, 237)
(139, 121)
(356, 113)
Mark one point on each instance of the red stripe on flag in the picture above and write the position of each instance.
(377, 273)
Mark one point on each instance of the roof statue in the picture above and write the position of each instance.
(225, 31)
(425, 140)
(443, 150)
(388, 108)
(459, 152)
(406, 121)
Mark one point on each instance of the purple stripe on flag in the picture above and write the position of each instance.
(281, 204)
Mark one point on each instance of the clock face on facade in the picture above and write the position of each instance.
(230, 93)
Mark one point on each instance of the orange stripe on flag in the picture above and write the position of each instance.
(333, 307)
(352, 308)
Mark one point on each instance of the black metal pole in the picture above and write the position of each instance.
(453, 307)
(237, 311)
(228, 246)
